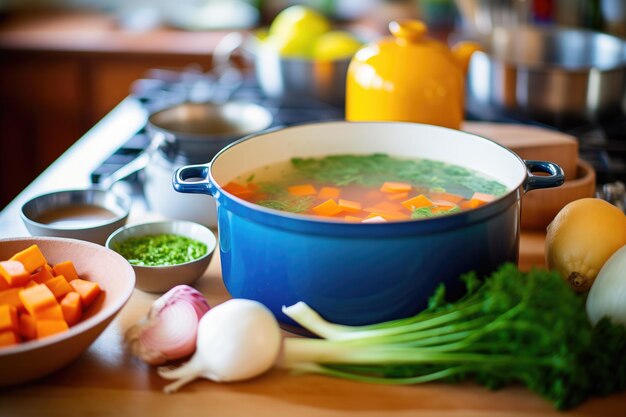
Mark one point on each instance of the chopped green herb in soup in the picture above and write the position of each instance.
(366, 188)
(160, 250)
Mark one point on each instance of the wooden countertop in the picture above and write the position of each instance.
(107, 381)
(89, 32)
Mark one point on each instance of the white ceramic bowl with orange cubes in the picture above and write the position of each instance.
(47, 346)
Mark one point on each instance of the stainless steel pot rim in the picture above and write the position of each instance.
(266, 120)
(503, 37)
(547, 67)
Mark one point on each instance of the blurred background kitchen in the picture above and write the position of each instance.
(64, 64)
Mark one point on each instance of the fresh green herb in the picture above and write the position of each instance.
(291, 204)
(425, 212)
(514, 327)
(373, 170)
(160, 250)
(278, 198)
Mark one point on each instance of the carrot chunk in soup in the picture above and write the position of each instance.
(395, 187)
(417, 202)
(300, 190)
(327, 208)
(328, 193)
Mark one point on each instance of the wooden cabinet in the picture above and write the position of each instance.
(61, 73)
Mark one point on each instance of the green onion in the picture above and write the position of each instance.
(514, 327)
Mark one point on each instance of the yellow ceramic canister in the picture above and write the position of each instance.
(408, 77)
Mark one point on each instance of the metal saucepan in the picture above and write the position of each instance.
(190, 133)
(553, 75)
(198, 130)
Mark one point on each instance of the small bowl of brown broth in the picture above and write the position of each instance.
(87, 214)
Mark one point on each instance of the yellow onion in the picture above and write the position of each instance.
(580, 239)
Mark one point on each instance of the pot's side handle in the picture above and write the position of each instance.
(192, 179)
(555, 178)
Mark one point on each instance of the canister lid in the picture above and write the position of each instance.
(408, 30)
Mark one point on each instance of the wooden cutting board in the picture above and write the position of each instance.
(531, 142)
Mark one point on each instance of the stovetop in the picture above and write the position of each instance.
(163, 88)
(602, 144)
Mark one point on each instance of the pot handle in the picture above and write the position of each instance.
(533, 182)
(192, 179)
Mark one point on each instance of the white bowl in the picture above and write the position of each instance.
(160, 279)
(29, 360)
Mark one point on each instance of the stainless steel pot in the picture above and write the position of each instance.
(552, 75)
(190, 133)
(282, 77)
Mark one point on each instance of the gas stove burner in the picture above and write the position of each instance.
(603, 144)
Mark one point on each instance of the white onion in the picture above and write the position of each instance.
(607, 297)
(237, 340)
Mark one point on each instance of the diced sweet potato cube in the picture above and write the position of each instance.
(9, 338)
(88, 291)
(66, 269)
(238, 190)
(29, 284)
(417, 202)
(395, 187)
(8, 318)
(50, 327)
(12, 297)
(327, 193)
(28, 330)
(59, 286)
(43, 274)
(72, 308)
(398, 196)
(14, 273)
(349, 206)
(352, 219)
(328, 208)
(31, 258)
(394, 215)
(302, 190)
(37, 298)
(53, 312)
(471, 204)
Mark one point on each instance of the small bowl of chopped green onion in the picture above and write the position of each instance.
(166, 253)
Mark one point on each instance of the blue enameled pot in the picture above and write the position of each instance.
(356, 273)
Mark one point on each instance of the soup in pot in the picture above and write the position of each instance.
(366, 188)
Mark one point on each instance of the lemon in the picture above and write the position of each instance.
(299, 19)
(335, 45)
(295, 29)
